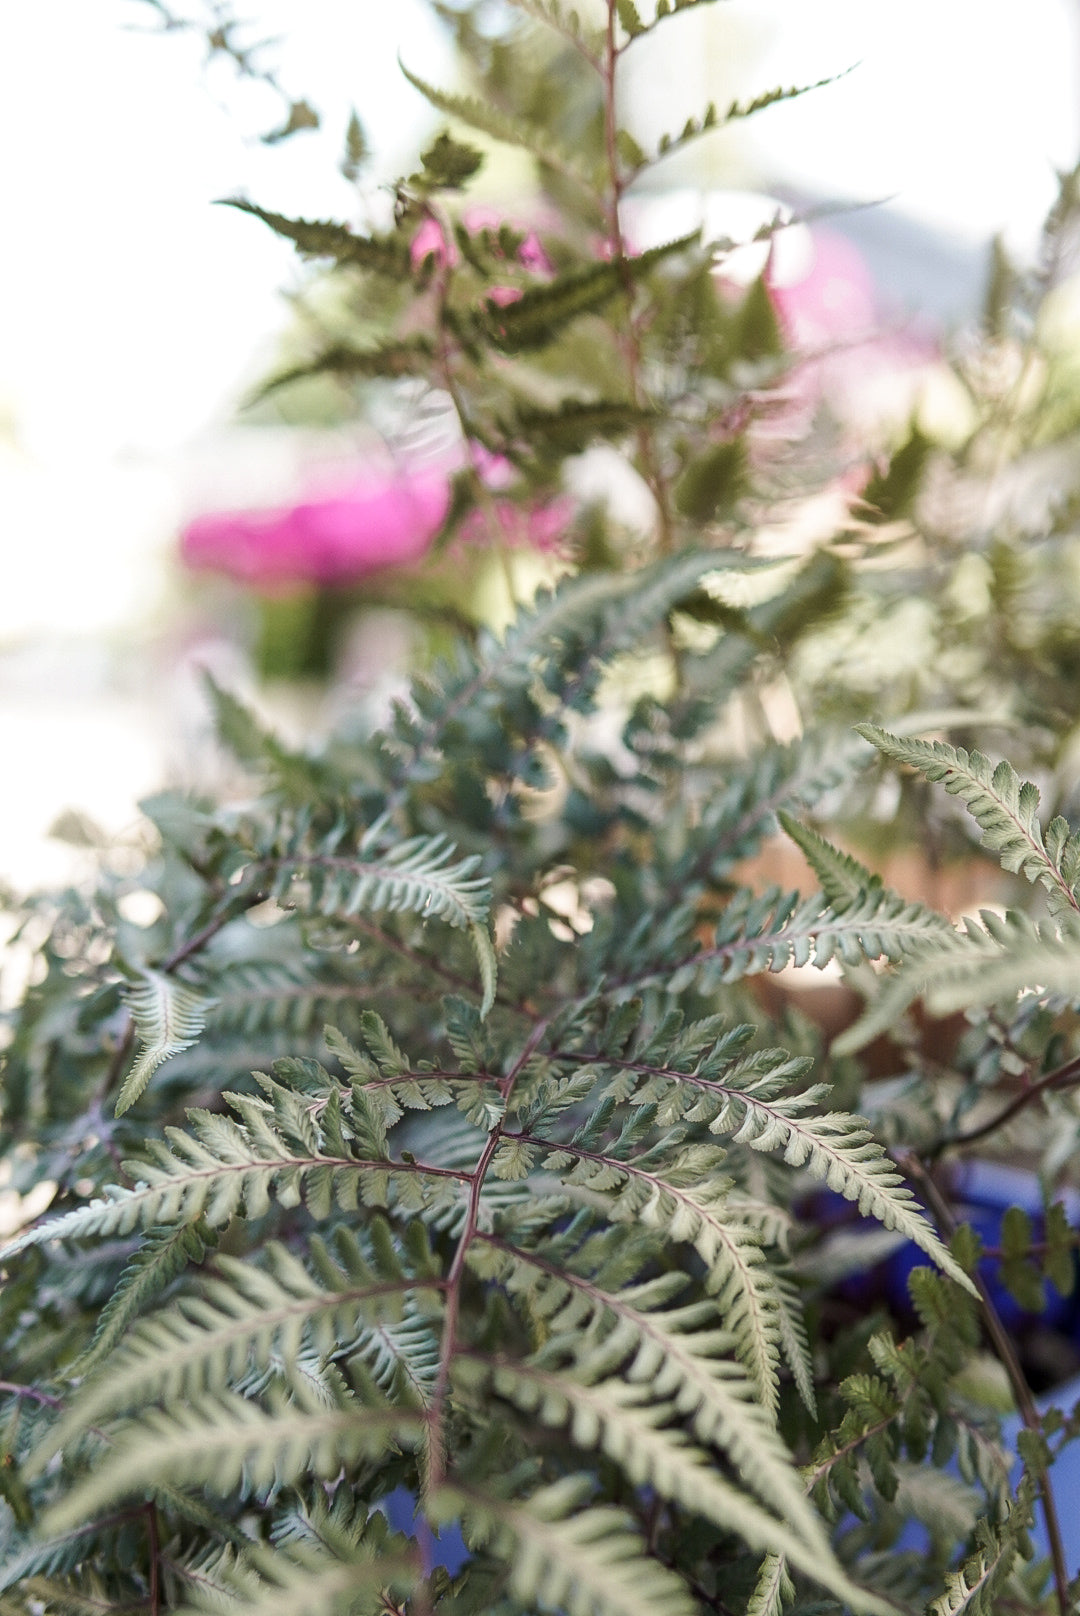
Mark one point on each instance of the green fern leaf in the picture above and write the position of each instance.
(773, 1589)
(216, 1443)
(974, 964)
(843, 879)
(679, 1353)
(408, 357)
(638, 1191)
(386, 255)
(221, 1169)
(578, 1559)
(1002, 805)
(206, 1343)
(419, 876)
(543, 311)
(839, 1150)
(152, 1269)
(169, 1016)
(489, 120)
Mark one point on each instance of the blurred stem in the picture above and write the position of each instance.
(632, 338)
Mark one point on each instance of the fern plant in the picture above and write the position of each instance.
(439, 1219)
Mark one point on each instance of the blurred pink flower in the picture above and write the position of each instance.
(865, 369)
(431, 239)
(532, 527)
(379, 522)
(835, 301)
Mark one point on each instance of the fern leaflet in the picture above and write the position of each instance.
(169, 1016)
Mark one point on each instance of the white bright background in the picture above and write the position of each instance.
(133, 313)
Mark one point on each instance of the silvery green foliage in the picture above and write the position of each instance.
(377, 1173)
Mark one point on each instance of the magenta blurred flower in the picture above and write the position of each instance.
(380, 522)
(836, 301)
(431, 240)
(865, 370)
(525, 527)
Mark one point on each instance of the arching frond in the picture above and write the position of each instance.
(680, 1353)
(169, 1015)
(1003, 806)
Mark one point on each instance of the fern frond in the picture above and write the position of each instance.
(973, 1589)
(772, 930)
(843, 879)
(487, 118)
(408, 357)
(269, 1582)
(152, 1269)
(544, 310)
(169, 1016)
(638, 1191)
(579, 1559)
(981, 962)
(1003, 806)
(219, 1170)
(242, 1321)
(747, 1107)
(839, 1150)
(773, 1589)
(710, 119)
(681, 1355)
(217, 1443)
(734, 821)
(420, 876)
(322, 238)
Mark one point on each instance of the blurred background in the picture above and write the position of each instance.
(137, 317)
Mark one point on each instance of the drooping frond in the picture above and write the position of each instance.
(1003, 806)
(639, 1189)
(169, 1015)
(680, 1353)
(745, 1101)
